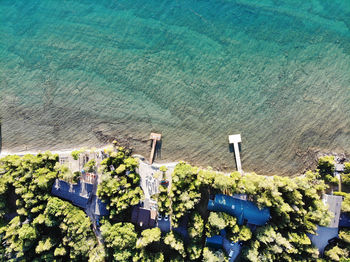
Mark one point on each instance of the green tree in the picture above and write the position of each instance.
(47, 228)
(90, 166)
(344, 235)
(213, 256)
(146, 256)
(345, 178)
(184, 191)
(345, 206)
(148, 236)
(326, 165)
(176, 243)
(120, 186)
(76, 153)
(195, 231)
(347, 167)
(196, 226)
(336, 254)
(120, 239)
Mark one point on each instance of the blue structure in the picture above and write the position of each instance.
(182, 228)
(215, 242)
(220, 242)
(182, 231)
(344, 220)
(99, 208)
(242, 209)
(78, 194)
(164, 225)
(323, 235)
(232, 249)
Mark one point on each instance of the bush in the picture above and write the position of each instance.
(47, 228)
(326, 165)
(347, 168)
(90, 166)
(120, 188)
(345, 178)
(76, 153)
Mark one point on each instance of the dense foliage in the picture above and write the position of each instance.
(346, 176)
(120, 187)
(295, 205)
(45, 228)
(184, 191)
(326, 165)
(121, 239)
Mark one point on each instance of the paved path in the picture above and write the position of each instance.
(149, 183)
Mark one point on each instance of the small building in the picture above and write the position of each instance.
(78, 194)
(245, 211)
(182, 228)
(324, 234)
(339, 167)
(232, 249)
(334, 206)
(81, 195)
(144, 218)
(99, 208)
(215, 242)
(344, 220)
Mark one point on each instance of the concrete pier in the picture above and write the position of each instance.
(235, 140)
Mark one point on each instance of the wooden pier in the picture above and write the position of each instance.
(154, 137)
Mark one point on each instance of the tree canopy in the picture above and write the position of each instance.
(120, 186)
(46, 228)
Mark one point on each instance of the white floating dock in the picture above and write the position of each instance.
(235, 140)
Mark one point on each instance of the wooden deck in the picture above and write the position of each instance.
(235, 140)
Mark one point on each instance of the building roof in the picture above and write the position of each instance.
(334, 205)
(339, 167)
(220, 242)
(234, 138)
(182, 228)
(78, 193)
(100, 208)
(214, 242)
(144, 218)
(232, 248)
(323, 235)
(240, 196)
(242, 209)
(182, 231)
(344, 220)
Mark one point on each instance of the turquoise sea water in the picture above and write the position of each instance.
(278, 72)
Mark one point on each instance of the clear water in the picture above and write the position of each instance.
(78, 72)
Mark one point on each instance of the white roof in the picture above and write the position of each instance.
(234, 138)
(339, 167)
(334, 205)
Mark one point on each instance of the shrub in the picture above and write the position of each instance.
(326, 165)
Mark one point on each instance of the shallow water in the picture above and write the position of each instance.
(76, 73)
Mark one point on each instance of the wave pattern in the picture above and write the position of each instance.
(76, 72)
